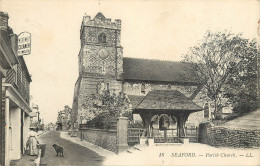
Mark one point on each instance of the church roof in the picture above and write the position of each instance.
(157, 70)
(172, 100)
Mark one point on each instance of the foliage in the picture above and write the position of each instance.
(111, 108)
(242, 92)
(135, 125)
(215, 60)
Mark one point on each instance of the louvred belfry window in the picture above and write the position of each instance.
(102, 38)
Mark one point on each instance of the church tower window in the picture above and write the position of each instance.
(107, 86)
(143, 88)
(102, 38)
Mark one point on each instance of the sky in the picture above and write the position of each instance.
(150, 29)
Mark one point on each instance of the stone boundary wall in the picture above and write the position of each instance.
(229, 137)
(103, 138)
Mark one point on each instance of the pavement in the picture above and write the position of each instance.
(27, 160)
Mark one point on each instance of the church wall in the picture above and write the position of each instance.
(90, 35)
(100, 63)
(197, 117)
(92, 63)
(89, 88)
(134, 88)
(74, 112)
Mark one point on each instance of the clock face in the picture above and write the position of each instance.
(103, 53)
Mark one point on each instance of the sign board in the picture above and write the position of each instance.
(24, 43)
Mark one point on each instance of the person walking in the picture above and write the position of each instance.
(33, 141)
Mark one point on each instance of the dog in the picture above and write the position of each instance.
(58, 149)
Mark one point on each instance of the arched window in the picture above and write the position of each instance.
(142, 88)
(107, 86)
(101, 87)
(102, 38)
(206, 111)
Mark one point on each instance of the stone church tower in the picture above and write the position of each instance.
(100, 63)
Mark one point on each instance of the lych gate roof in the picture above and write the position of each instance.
(167, 100)
(135, 100)
(157, 70)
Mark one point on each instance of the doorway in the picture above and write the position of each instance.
(164, 129)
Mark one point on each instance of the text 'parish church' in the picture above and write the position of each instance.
(103, 67)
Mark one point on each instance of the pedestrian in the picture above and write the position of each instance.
(33, 141)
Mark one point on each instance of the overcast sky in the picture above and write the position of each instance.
(150, 29)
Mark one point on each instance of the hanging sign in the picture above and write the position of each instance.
(24, 43)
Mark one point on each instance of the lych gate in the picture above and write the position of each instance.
(164, 113)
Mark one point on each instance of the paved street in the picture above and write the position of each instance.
(74, 154)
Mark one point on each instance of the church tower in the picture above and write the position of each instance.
(101, 51)
(100, 62)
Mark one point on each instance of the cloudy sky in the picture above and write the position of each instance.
(150, 29)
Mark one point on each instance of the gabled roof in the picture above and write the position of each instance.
(135, 100)
(7, 58)
(167, 100)
(100, 16)
(157, 70)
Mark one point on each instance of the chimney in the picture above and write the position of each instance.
(4, 21)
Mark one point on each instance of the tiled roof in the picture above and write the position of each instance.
(167, 100)
(157, 70)
(135, 100)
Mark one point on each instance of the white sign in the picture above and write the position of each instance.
(24, 43)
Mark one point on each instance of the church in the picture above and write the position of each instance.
(148, 84)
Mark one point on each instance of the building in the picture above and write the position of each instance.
(64, 118)
(50, 127)
(35, 121)
(102, 67)
(15, 92)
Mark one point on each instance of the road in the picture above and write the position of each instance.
(74, 154)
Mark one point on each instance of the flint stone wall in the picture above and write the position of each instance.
(229, 137)
(103, 138)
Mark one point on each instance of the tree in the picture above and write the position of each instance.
(215, 59)
(111, 107)
(242, 92)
